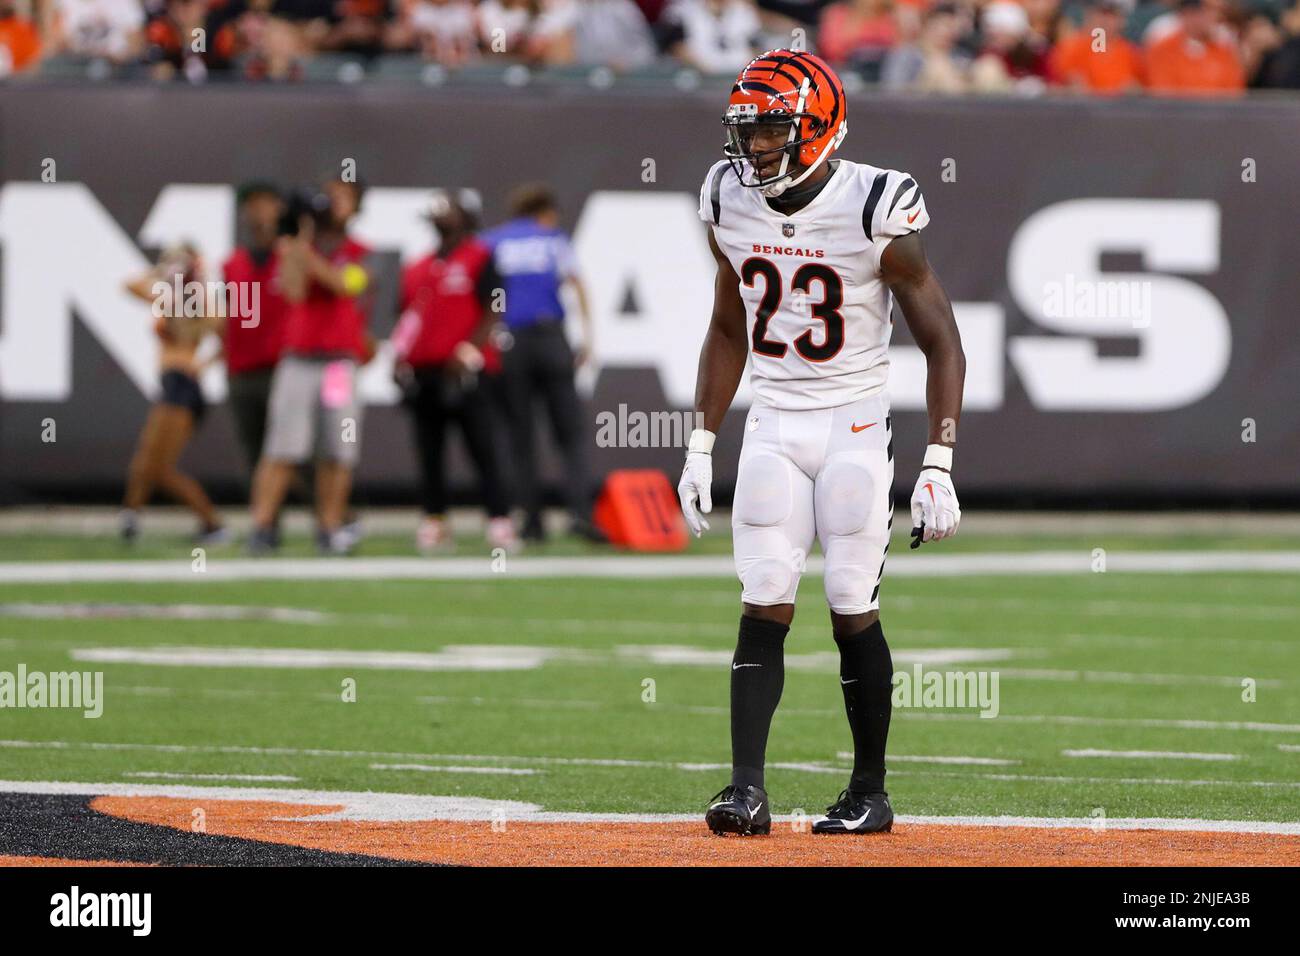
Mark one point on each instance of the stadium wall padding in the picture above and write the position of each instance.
(1125, 272)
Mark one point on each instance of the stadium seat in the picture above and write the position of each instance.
(402, 67)
(67, 66)
(334, 68)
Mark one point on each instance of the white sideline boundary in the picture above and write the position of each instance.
(628, 566)
(372, 806)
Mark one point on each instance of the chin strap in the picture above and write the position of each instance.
(782, 182)
(779, 187)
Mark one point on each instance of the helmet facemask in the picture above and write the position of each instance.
(743, 120)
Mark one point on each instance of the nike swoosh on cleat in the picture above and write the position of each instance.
(738, 666)
(854, 824)
(757, 808)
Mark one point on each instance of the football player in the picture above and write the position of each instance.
(811, 254)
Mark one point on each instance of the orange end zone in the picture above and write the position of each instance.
(689, 844)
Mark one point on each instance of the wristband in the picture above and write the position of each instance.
(701, 441)
(938, 456)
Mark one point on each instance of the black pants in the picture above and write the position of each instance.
(248, 394)
(539, 369)
(436, 400)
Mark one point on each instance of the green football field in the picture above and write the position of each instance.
(1129, 694)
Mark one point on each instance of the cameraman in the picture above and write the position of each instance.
(314, 408)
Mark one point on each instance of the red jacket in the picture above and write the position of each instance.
(442, 302)
(325, 324)
(256, 345)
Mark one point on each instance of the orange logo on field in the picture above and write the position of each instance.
(860, 428)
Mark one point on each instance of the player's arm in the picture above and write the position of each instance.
(346, 281)
(726, 345)
(925, 306)
(722, 362)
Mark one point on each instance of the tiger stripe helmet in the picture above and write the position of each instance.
(793, 89)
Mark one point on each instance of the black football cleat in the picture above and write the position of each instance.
(857, 813)
(740, 810)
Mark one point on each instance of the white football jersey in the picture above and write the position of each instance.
(818, 312)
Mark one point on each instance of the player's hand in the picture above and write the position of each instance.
(935, 512)
(696, 491)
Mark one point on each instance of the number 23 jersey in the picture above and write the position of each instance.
(817, 309)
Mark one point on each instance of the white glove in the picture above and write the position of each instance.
(696, 488)
(935, 512)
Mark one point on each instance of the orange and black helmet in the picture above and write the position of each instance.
(797, 91)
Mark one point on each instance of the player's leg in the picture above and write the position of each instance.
(518, 388)
(338, 451)
(175, 427)
(564, 409)
(772, 529)
(142, 474)
(478, 426)
(290, 420)
(429, 426)
(854, 517)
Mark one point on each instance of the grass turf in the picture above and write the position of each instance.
(1099, 661)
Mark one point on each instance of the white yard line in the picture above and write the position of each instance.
(489, 657)
(545, 761)
(1148, 754)
(1081, 721)
(429, 768)
(638, 567)
(242, 777)
(402, 807)
(964, 761)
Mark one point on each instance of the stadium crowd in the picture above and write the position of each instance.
(942, 46)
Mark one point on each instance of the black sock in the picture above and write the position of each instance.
(866, 677)
(757, 677)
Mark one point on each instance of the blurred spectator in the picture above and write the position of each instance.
(506, 27)
(534, 259)
(253, 343)
(1143, 13)
(314, 409)
(1013, 58)
(1280, 66)
(103, 29)
(1046, 22)
(857, 34)
(714, 36)
(652, 10)
(171, 38)
(610, 33)
(275, 48)
(444, 31)
(1098, 58)
(1258, 35)
(357, 26)
(20, 44)
(807, 13)
(1195, 58)
(445, 362)
(933, 63)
